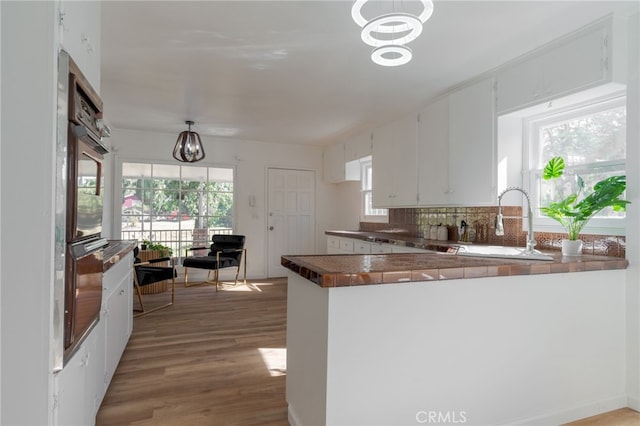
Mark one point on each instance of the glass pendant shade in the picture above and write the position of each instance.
(188, 147)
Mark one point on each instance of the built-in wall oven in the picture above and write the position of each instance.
(79, 208)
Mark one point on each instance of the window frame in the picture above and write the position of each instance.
(532, 174)
(366, 195)
(150, 185)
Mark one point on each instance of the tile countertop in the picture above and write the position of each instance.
(115, 251)
(364, 269)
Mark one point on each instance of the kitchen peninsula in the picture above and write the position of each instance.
(397, 339)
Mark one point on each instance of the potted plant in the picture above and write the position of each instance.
(575, 211)
(148, 245)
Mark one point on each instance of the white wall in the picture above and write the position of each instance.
(530, 349)
(251, 160)
(633, 216)
(29, 63)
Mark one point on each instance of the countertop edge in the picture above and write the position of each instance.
(343, 270)
(115, 251)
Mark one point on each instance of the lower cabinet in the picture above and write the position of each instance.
(81, 385)
(342, 245)
(118, 314)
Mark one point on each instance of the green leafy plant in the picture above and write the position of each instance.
(157, 246)
(575, 211)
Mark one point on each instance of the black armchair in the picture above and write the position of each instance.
(226, 251)
(144, 274)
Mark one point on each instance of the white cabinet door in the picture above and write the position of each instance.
(395, 172)
(333, 245)
(118, 318)
(76, 388)
(337, 245)
(361, 247)
(380, 248)
(472, 145)
(576, 63)
(347, 245)
(433, 154)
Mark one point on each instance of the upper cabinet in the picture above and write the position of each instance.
(457, 148)
(79, 25)
(472, 145)
(433, 154)
(395, 173)
(580, 61)
(340, 160)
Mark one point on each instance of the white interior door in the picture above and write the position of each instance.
(291, 215)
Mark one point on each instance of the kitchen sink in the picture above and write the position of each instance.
(501, 252)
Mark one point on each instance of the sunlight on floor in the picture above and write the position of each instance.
(275, 359)
(251, 286)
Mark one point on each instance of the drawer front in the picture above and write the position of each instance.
(346, 245)
(380, 248)
(333, 243)
(362, 247)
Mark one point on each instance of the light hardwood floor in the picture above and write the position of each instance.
(202, 361)
(218, 359)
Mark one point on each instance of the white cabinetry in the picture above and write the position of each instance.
(117, 313)
(395, 172)
(433, 154)
(337, 167)
(337, 245)
(82, 383)
(78, 385)
(80, 36)
(472, 145)
(365, 247)
(583, 60)
(342, 245)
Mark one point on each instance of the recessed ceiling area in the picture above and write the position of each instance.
(297, 72)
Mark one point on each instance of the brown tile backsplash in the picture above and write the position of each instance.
(415, 221)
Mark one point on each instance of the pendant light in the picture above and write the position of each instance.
(188, 147)
(389, 33)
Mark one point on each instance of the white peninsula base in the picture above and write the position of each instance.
(531, 349)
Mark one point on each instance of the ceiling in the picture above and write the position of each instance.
(297, 72)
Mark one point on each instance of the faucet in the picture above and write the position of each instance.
(531, 243)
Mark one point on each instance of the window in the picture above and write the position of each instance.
(592, 140)
(368, 213)
(178, 206)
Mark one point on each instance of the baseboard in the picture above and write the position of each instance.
(633, 402)
(576, 413)
(293, 418)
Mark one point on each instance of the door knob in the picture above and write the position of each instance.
(271, 228)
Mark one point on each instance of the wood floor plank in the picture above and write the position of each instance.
(199, 362)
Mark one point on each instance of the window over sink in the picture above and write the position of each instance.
(591, 137)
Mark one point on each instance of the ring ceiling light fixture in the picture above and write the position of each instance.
(188, 147)
(389, 33)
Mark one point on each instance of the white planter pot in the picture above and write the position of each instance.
(571, 247)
